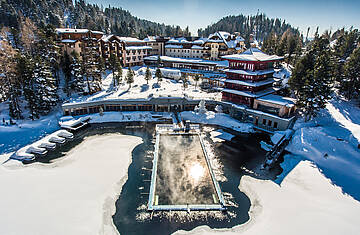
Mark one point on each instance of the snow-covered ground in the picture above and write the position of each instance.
(331, 142)
(73, 195)
(305, 203)
(25, 131)
(140, 89)
(219, 119)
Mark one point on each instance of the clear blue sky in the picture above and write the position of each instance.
(327, 14)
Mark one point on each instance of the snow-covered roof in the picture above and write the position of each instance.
(248, 93)
(137, 47)
(106, 38)
(178, 40)
(200, 41)
(182, 60)
(97, 32)
(68, 30)
(173, 46)
(252, 84)
(225, 37)
(249, 72)
(252, 54)
(130, 39)
(280, 100)
(68, 41)
(197, 47)
(150, 39)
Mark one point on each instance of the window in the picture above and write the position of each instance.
(264, 121)
(275, 124)
(269, 123)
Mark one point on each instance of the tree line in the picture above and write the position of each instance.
(259, 25)
(32, 65)
(330, 64)
(79, 14)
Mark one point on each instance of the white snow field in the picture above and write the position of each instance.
(139, 89)
(331, 141)
(305, 203)
(73, 195)
(219, 119)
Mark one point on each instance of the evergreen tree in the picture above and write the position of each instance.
(25, 69)
(66, 67)
(148, 75)
(196, 78)
(90, 66)
(119, 72)
(45, 87)
(184, 80)
(312, 78)
(346, 42)
(159, 62)
(101, 64)
(10, 79)
(129, 77)
(350, 85)
(116, 69)
(291, 47)
(77, 74)
(158, 75)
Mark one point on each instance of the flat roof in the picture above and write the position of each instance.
(223, 63)
(69, 30)
(277, 99)
(137, 48)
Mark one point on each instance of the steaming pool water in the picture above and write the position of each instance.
(230, 160)
(182, 179)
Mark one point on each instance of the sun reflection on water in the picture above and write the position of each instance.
(196, 171)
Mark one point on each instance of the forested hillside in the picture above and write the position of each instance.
(260, 25)
(62, 13)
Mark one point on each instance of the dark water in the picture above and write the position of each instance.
(131, 217)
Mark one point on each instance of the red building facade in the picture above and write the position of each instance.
(250, 76)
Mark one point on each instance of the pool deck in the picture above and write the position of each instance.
(153, 203)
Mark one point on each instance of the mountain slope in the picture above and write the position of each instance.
(260, 25)
(61, 13)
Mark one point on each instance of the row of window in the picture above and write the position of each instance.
(136, 51)
(184, 56)
(248, 77)
(183, 51)
(269, 123)
(128, 58)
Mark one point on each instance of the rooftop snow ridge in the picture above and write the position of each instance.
(252, 54)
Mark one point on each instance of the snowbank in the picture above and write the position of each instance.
(73, 195)
(305, 203)
(330, 141)
(219, 119)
